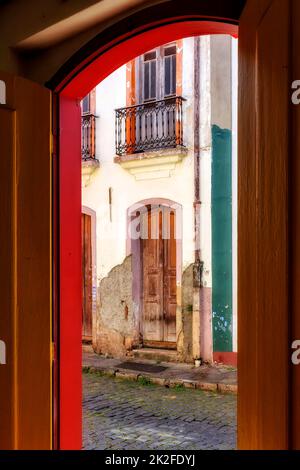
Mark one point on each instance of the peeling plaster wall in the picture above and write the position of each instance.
(126, 190)
(116, 324)
(206, 334)
(221, 193)
(222, 239)
(205, 158)
(178, 186)
(186, 353)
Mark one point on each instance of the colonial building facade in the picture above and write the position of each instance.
(159, 204)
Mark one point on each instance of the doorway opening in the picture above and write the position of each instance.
(71, 84)
(156, 269)
(158, 147)
(158, 261)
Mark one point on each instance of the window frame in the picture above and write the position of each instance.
(160, 74)
(164, 56)
(84, 113)
(150, 61)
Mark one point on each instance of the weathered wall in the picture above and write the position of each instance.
(116, 325)
(221, 193)
(177, 186)
(206, 337)
(112, 245)
(222, 239)
(205, 158)
(186, 352)
(186, 340)
(117, 322)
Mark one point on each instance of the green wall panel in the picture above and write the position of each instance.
(221, 239)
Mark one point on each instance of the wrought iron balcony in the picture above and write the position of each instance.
(88, 137)
(150, 126)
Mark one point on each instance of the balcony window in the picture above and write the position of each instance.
(150, 66)
(88, 127)
(86, 105)
(150, 126)
(88, 137)
(170, 70)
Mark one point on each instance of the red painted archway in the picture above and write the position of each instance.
(70, 85)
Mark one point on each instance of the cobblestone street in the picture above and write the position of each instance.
(119, 414)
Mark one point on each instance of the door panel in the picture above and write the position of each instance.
(159, 277)
(86, 240)
(152, 253)
(170, 302)
(263, 231)
(25, 267)
(7, 305)
(295, 230)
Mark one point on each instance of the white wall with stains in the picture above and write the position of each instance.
(125, 189)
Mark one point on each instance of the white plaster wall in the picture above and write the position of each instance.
(126, 190)
(179, 186)
(205, 158)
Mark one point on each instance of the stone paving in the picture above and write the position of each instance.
(212, 378)
(126, 415)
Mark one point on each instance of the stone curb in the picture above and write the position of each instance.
(173, 383)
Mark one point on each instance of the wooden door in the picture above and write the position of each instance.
(295, 231)
(159, 278)
(86, 243)
(25, 268)
(152, 259)
(169, 276)
(263, 308)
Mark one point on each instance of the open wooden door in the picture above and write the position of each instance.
(265, 404)
(294, 204)
(25, 268)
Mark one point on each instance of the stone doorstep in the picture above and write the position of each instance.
(173, 383)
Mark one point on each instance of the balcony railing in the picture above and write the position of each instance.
(88, 137)
(149, 126)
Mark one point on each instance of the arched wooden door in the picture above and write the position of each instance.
(26, 266)
(158, 246)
